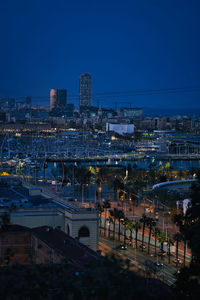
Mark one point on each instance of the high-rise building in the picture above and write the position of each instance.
(58, 98)
(85, 90)
(27, 102)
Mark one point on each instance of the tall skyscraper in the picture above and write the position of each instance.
(85, 90)
(27, 102)
(58, 98)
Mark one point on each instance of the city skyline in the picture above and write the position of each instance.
(150, 45)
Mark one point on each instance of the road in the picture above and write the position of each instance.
(141, 262)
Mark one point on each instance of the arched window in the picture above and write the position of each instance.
(83, 232)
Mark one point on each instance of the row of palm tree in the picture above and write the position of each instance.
(117, 216)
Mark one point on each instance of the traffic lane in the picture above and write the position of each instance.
(110, 247)
(139, 258)
(166, 272)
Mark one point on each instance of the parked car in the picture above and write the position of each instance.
(142, 246)
(177, 261)
(161, 253)
(123, 246)
(158, 263)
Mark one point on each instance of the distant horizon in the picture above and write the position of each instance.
(166, 99)
(149, 111)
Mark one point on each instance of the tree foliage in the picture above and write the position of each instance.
(188, 282)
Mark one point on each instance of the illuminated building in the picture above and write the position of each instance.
(58, 98)
(85, 90)
(120, 128)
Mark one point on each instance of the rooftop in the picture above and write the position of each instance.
(18, 197)
(28, 196)
(75, 252)
(67, 246)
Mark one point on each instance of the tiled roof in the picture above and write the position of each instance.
(14, 228)
(65, 245)
(75, 252)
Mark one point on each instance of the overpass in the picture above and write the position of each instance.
(175, 184)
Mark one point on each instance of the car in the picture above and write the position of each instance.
(161, 253)
(158, 263)
(123, 246)
(153, 254)
(142, 246)
(177, 261)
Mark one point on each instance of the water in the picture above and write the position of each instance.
(53, 167)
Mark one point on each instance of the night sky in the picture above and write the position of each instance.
(124, 45)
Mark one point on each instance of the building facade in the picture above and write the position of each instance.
(41, 245)
(85, 90)
(58, 98)
(36, 208)
(120, 128)
(132, 113)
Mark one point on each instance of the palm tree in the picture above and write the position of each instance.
(110, 221)
(152, 173)
(103, 173)
(125, 223)
(100, 210)
(114, 214)
(184, 231)
(120, 217)
(106, 205)
(131, 192)
(170, 242)
(178, 237)
(117, 184)
(156, 234)
(83, 176)
(181, 220)
(131, 227)
(137, 226)
(143, 220)
(162, 239)
(150, 224)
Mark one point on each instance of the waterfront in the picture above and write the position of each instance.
(135, 164)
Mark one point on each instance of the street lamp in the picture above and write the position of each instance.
(99, 193)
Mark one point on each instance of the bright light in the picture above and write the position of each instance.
(4, 174)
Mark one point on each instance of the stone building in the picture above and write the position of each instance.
(32, 208)
(41, 245)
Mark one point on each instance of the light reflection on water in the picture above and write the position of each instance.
(135, 164)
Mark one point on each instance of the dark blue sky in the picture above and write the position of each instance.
(125, 45)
